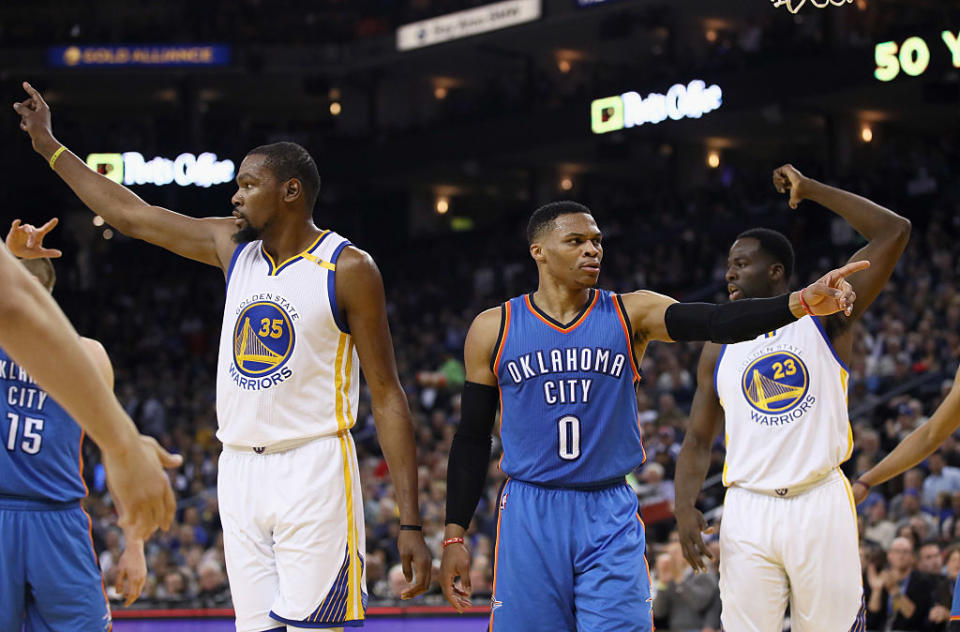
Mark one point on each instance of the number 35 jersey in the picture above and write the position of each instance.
(784, 395)
(568, 396)
(287, 369)
(39, 441)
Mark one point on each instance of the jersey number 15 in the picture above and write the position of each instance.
(31, 434)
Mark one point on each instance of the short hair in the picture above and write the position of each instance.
(43, 270)
(547, 213)
(289, 160)
(775, 244)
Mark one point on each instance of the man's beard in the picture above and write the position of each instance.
(247, 234)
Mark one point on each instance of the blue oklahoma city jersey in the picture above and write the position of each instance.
(568, 397)
(40, 454)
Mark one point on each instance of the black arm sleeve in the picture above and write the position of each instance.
(730, 322)
(470, 452)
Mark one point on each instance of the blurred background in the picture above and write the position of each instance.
(437, 133)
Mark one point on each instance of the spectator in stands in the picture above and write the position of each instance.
(899, 597)
(878, 528)
(686, 601)
(942, 478)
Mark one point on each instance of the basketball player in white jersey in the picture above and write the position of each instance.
(304, 309)
(789, 529)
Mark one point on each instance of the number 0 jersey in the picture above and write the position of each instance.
(784, 395)
(287, 369)
(568, 397)
(40, 451)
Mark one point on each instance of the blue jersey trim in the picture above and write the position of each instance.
(716, 369)
(826, 338)
(332, 289)
(233, 260)
(356, 623)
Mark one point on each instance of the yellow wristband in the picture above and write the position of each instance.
(56, 154)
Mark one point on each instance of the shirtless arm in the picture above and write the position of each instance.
(659, 317)
(470, 454)
(132, 567)
(706, 421)
(918, 445)
(360, 292)
(206, 240)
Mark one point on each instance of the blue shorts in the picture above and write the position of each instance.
(570, 560)
(49, 577)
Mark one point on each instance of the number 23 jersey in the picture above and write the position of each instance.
(568, 398)
(784, 395)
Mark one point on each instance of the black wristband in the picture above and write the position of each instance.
(730, 322)
(411, 527)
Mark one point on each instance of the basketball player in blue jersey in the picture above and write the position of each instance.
(561, 363)
(789, 530)
(304, 309)
(37, 336)
(917, 446)
(51, 578)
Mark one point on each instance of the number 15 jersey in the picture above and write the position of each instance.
(568, 398)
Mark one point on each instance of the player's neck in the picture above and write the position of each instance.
(559, 302)
(285, 241)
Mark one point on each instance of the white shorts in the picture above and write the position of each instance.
(802, 548)
(293, 535)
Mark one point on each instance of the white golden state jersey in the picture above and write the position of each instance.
(784, 396)
(287, 369)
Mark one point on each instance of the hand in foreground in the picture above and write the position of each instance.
(456, 563)
(832, 293)
(690, 527)
(131, 572)
(26, 240)
(416, 562)
(139, 485)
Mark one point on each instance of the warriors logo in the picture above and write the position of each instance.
(776, 382)
(263, 339)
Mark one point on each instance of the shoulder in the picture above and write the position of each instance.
(644, 299)
(486, 324)
(644, 304)
(478, 349)
(356, 271)
(353, 260)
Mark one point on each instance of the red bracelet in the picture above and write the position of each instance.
(862, 482)
(803, 304)
(450, 541)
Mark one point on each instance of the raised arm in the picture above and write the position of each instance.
(38, 336)
(207, 240)
(706, 421)
(359, 289)
(658, 317)
(917, 446)
(470, 454)
(886, 232)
